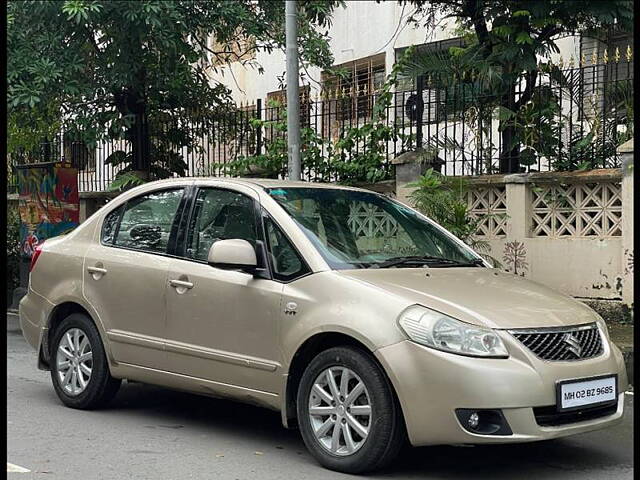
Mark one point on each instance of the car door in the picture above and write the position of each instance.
(222, 325)
(125, 275)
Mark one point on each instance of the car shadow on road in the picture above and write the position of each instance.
(162, 408)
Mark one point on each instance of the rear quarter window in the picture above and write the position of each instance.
(110, 225)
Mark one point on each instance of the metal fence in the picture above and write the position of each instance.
(575, 117)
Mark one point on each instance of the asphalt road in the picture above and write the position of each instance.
(153, 433)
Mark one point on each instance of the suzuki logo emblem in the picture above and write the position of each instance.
(573, 344)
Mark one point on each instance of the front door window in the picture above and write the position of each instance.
(219, 215)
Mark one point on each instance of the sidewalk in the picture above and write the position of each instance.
(13, 322)
(620, 333)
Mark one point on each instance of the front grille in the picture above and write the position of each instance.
(550, 417)
(562, 343)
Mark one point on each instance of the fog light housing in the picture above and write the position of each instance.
(483, 421)
(474, 420)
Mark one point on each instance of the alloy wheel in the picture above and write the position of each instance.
(74, 361)
(340, 410)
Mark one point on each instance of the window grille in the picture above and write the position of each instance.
(352, 94)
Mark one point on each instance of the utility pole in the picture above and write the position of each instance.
(293, 90)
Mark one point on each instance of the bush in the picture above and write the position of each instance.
(443, 200)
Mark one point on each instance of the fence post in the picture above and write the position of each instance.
(259, 132)
(626, 152)
(419, 110)
(518, 206)
(409, 167)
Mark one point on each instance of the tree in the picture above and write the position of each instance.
(502, 42)
(120, 68)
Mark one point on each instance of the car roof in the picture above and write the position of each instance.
(263, 183)
(277, 183)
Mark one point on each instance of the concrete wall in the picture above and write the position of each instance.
(626, 151)
(572, 231)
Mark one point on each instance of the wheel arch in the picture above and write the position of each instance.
(311, 347)
(57, 315)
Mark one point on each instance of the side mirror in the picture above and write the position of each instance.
(233, 254)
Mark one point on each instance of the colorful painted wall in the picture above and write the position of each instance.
(48, 202)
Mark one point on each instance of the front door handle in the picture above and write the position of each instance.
(181, 284)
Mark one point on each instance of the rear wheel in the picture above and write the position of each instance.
(79, 367)
(348, 414)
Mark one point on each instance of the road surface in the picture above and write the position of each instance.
(152, 433)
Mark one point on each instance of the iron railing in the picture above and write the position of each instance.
(460, 130)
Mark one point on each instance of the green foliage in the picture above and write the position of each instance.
(13, 248)
(273, 162)
(358, 156)
(442, 199)
(102, 68)
(126, 180)
(503, 40)
(367, 164)
(603, 134)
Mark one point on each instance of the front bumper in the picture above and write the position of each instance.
(431, 385)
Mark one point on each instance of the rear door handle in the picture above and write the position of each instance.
(180, 284)
(98, 270)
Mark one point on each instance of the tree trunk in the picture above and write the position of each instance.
(140, 141)
(509, 151)
(129, 102)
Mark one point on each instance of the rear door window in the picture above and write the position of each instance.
(147, 220)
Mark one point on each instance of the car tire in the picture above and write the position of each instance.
(385, 429)
(84, 390)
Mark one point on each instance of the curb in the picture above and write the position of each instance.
(628, 363)
(13, 322)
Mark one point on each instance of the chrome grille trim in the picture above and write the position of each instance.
(576, 342)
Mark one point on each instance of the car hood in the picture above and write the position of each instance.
(481, 296)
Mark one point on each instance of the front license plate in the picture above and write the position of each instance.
(586, 392)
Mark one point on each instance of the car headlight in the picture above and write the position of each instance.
(437, 330)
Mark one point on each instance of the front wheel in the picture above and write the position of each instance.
(79, 370)
(348, 415)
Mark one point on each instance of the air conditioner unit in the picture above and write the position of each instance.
(433, 107)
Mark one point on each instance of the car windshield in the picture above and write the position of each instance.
(355, 229)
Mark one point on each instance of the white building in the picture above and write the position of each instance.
(367, 37)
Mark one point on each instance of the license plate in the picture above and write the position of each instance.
(586, 392)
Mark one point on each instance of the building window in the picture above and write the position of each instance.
(276, 106)
(615, 39)
(353, 92)
(607, 87)
(280, 98)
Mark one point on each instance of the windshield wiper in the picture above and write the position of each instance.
(425, 260)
